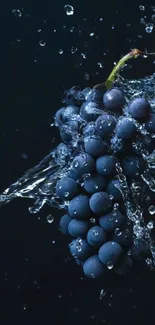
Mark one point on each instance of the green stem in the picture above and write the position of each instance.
(131, 55)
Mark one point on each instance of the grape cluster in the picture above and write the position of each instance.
(108, 135)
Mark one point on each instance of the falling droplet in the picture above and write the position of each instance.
(50, 218)
(149, 28)
(42, 43)
(110, 265)
(69, 10)
(60, 51)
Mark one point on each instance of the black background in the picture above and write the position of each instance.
(38, 282)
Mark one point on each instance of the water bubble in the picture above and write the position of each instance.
(92, 220)
(95, 232)
(91, 34)
(73, 49)
(100, 64)
(39, 30)
(110, 265)
(151, 209)
(60, 51)
(83, 55)
(150, 225)
(50, 218)
(76, 164)
(17, 13)
(149, 28)
(142, 8)
(102, 294)
(69, 10)
(118, 232)
(42, 43)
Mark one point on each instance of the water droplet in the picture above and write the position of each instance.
(39, 30)
(76, 164)
(17, 13)
(92, 220)
(96, 186)
(53, 241)
(142, 8)
(150, 225)
(95, 232)
(50, 218)
(66, 194)
(149, 28)
(102, 294)
(24, 306)
(42, 43)
(69, 10)
(118, 232)
(91, 34)
(110, 265)
(73, 49)
(151, 209)
(100, 64)
(60, 51)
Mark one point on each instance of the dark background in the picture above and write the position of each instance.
(38, 282)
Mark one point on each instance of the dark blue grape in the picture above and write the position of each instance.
(79, 207)
(96, 236)
(66, 188)
(139, 108)
(74, 96)
(113, 189)
(123, 237)
(78, 228)
(89, 129)
(106, 165)
(105, 125)
(118, 145)
(133, 166)
(110, 253)
(125, 265)
(68, 112)
(93, 268)
(64, 222)
(94, 183)
(82, 164)
(95, 146)
(95, 95)
(150, 124)
(114, 100)
(80, 249)
(90, 111)
(126, 128)
(112, 220)
(100, 203)
(58, 117)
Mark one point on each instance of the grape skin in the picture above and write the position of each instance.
(96, 236)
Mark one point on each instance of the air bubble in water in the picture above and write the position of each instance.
(50, 218)
(149, 28)
(17, 13)
(150, 225)
(118, 232)
(102, 294)
(69, 10)
(142, 8)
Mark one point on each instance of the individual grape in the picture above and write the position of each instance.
(123, 237)
(96, 236)
(133, 166)
(114, 100)
(139, 108)
(126, 128)
(78, 228)
(150, 124)
(64, 222)
(105, 125)
(90, 111)
(74, 96)
(89, 129)
(118, 145)
(95, 146)
(100, 203)
(80, 249)
(106, 165)
(58, 117)
(66, 188)
(93, 268)
(110, 253)
(68, 112)
(114, 189)
(82, 164)
(78, 207)
(94, 183)
(95, 95)
(112, 220)
(125, 265)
